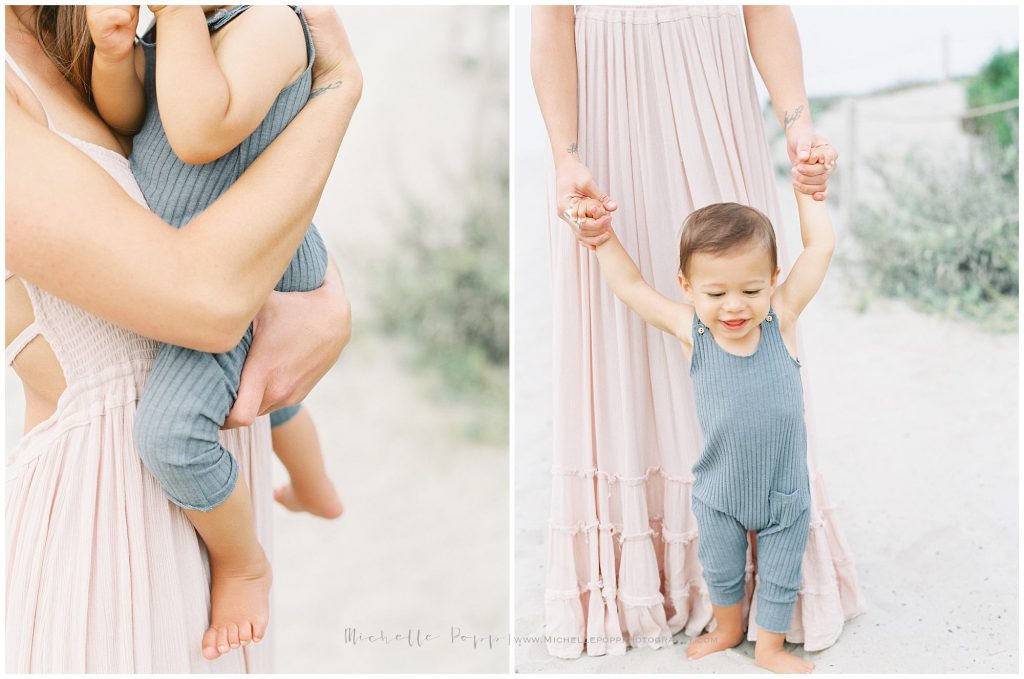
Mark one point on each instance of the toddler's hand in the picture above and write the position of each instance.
(585, 217)
(811, 175)
(588, 208)
(113, 29)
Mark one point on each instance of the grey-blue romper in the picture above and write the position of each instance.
(189, 393)
(752, 473)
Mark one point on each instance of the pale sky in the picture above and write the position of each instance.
(852, 49)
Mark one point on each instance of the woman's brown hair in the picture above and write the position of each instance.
(63, 33)
(722, 227)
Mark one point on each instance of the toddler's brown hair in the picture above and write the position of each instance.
(721, 227)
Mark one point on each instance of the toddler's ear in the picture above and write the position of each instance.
(684, 285)
(775, 276)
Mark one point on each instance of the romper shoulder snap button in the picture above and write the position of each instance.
(768, 318)
(700, 329)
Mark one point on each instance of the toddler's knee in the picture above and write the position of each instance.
(157, 441)
(194, 473)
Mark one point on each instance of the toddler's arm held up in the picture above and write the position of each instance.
(115, 83)
(808, 272)
(627, 283)
(211, 99)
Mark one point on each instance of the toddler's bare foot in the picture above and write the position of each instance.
(318, 498)
(781, 661)
(240, 609)
(712, 642)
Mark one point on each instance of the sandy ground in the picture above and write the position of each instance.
(917, 423)
(423, 544)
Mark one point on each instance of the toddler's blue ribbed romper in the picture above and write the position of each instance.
(752, 472)
(189, 393)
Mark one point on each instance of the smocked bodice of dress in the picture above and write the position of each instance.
(88, 347)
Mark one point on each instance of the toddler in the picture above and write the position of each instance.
(739, 332)
(228, 81)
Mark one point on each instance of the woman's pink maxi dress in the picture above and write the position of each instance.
(668, 122)
(104, 574)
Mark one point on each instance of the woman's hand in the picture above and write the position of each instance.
(335, 64)
(573, 184)
(813, 160)
(297, 337)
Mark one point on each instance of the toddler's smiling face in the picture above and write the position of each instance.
(731, 291)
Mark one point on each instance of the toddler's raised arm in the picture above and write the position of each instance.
(810, 267)
(628, 284)
(212, 99)
(116, 88)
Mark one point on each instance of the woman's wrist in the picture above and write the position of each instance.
(339, 87)
(796, 116)
(565, 152)
(567, 159)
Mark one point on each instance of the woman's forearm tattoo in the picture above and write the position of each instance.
(790, 118)
(572, 150)
(320, 90)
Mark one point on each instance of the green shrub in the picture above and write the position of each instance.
(996, 83)
(445, 287)
(943, 236)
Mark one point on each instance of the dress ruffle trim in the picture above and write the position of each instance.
(602, 616)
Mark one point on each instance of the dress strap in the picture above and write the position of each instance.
(28, 83)
(31, 331)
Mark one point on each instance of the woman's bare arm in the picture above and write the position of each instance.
(553, 66)
(70, 229)
(775, 48)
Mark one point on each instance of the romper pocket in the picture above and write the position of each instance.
(785, 508)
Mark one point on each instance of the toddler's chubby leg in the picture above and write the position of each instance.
(310, 489)
(780, 557)
(185, 400)
(240, 574)
(722, 551)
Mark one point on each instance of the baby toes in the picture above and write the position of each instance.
(245, 634)
(210, 644)
(259, 628)
(222, 640)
